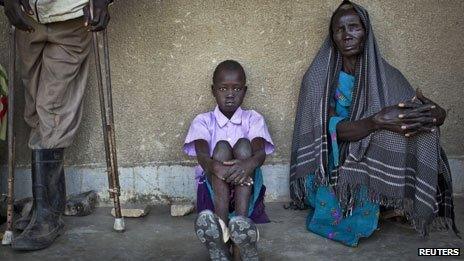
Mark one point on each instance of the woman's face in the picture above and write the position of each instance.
(348, 33)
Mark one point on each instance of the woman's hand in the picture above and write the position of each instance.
(240, 172)
(16, 15)
(437, 112)
(408, 118)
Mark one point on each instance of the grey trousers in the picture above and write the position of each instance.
(54, 65)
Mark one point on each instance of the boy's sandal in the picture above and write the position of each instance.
(209, 232)
(244, 234)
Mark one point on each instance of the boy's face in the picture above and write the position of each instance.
(229, 91)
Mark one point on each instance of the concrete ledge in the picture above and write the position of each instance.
(151, 184)
(164, 184)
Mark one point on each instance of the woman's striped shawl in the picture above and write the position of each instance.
(407, 173)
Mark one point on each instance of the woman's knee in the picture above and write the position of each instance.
(242, 149)
(222, 151)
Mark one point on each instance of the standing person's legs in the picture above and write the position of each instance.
(30, 51)
(62, 83)
(55, 84)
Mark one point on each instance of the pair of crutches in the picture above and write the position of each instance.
(100, 43)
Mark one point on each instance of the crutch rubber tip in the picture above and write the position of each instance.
(119, 225)
(7, 238)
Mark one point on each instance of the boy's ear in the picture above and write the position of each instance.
(246, 88)
(212, 88)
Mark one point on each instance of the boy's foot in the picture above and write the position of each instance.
(209, 232)
(244, 234)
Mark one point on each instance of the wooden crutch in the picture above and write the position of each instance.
(106, 106)
(8, 236)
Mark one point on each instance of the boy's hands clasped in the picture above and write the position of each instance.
(239, 172)
(235, 172)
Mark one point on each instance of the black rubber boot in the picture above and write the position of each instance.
(21, 223)
(48, 190)
(58, 202)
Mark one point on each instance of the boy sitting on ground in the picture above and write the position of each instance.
(230, 145)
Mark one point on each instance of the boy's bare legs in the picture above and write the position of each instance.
(209, 228)
(242, 150)
(222, 152)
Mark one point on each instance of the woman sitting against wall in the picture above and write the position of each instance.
(364, 138)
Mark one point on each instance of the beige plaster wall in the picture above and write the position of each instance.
(163, 54)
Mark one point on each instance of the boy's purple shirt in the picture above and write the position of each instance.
(213, 126)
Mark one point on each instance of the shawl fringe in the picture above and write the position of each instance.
(298, 194)
(423, 225)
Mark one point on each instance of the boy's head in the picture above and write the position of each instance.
(229, 86)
